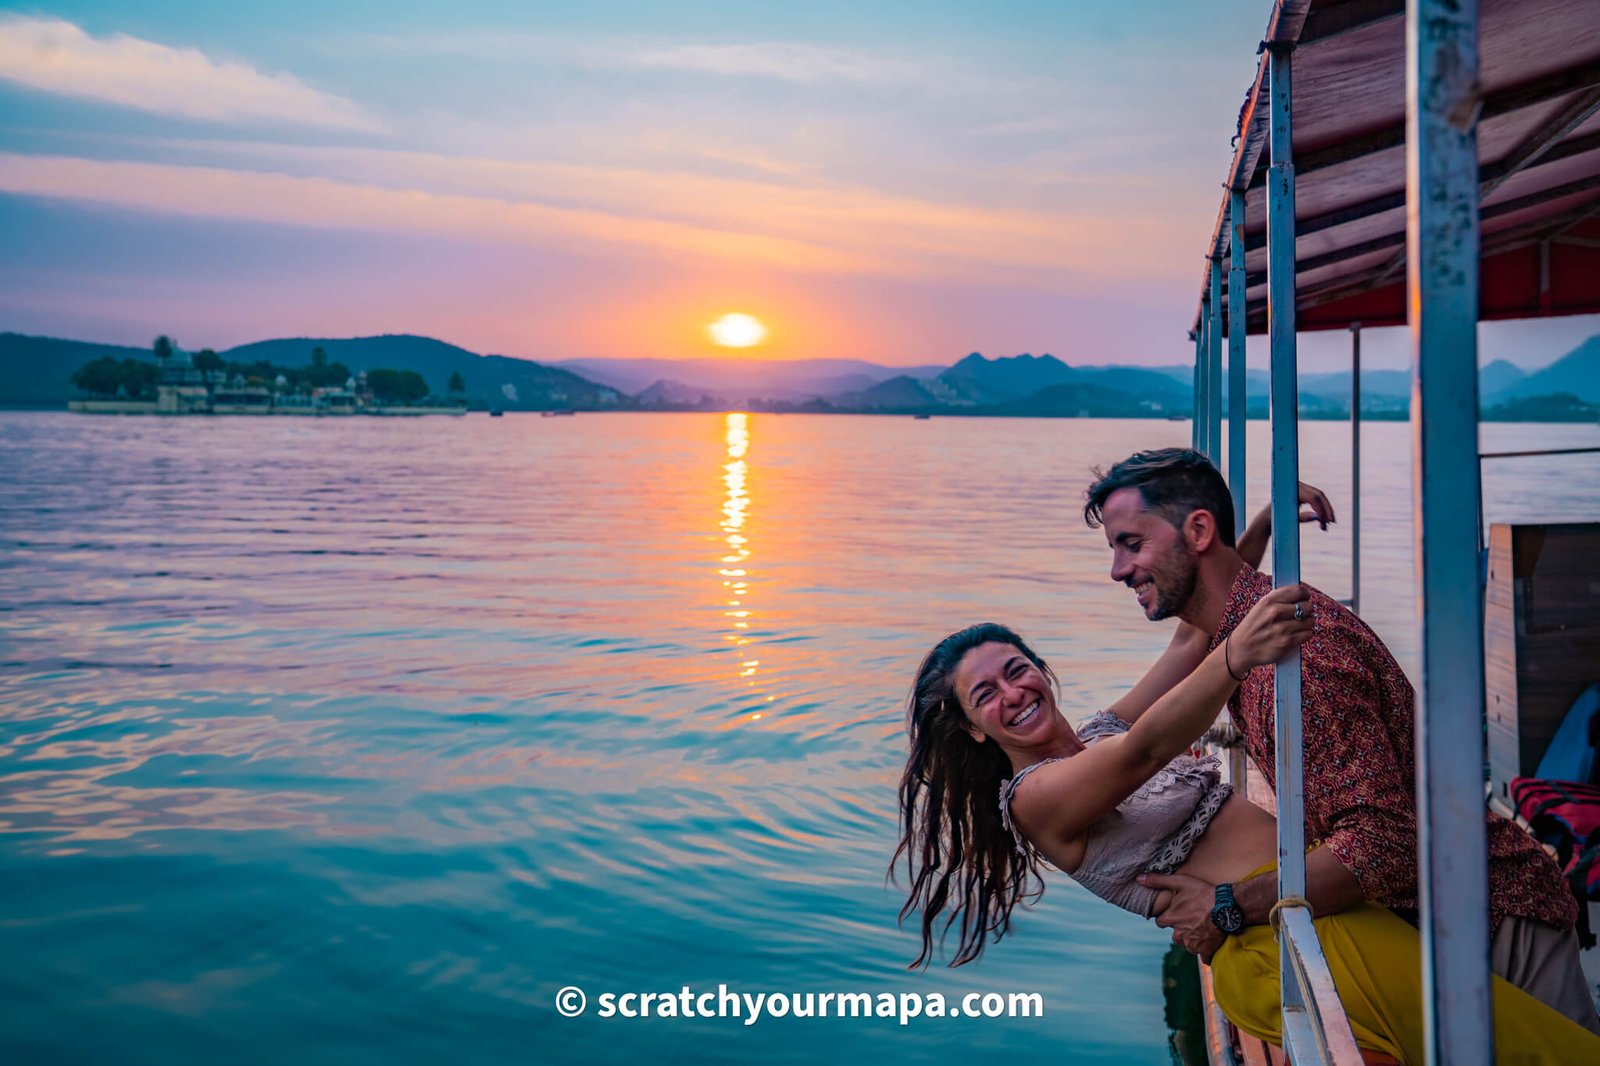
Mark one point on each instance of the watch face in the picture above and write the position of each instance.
(1228, 918)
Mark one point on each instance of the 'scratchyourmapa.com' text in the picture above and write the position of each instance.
(752, 1007)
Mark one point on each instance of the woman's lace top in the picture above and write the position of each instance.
(1152, 831)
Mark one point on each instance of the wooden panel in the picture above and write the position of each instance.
(1541, 637)
(1500, 661)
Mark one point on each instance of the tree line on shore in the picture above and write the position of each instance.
(137, 379)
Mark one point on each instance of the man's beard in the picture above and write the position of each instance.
(1176, 588)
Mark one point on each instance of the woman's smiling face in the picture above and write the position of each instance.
(1006, 697)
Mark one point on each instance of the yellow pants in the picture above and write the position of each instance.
(1376, 960)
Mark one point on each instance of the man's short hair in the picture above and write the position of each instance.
(1174, 482)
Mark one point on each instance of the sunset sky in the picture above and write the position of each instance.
(899, 182)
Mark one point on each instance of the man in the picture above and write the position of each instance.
(1168, 518)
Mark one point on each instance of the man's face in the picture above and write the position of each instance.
(1148, 555)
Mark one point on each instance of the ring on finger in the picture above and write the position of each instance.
(1299, 612)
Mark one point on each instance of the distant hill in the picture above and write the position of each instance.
(1256, 382)
(1327, 385)
(37, 371)
(401, 351)
(741, 378)
(1080, 399)
(902, 394)
(1138, 381)
(1394, 384)
(665, 393)
(533, 386)
(1012, 376)
(1559, 407)
(1577, 374)
(1496, 379)
(834, 384)
(1389, 391)
(1102, 389)
(994, 387)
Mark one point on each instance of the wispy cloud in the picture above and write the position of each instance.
(794, 62)
(802, 64)
(322, 203)
(56, 56)
(760, 223)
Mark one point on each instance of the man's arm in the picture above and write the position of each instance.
(1330, 888)
(1355, 790)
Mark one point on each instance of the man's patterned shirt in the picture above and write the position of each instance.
(1360, 758)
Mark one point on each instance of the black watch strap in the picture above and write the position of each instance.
(1226, 914)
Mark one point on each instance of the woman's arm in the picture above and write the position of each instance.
(1060, 801)
(1252, 543)
(1186, 651)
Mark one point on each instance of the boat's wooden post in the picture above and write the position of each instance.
(1355, 468)
(1442, 293)
(1285, 489)
(1237, 323)
(1214, 366)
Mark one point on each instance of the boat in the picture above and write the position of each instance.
(1497, 187)
(921, 418)
(496, 413)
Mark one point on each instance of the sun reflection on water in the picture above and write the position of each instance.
(735, 571)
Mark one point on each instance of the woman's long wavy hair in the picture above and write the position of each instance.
(959, 856)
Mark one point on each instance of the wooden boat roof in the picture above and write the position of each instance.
(1538, 157)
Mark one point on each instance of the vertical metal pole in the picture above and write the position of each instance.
(1214, 367)
(1194, 420)
(1355, 468)
(1202, 411)
(1237, 324)
(1442, 293)
(1285, 488)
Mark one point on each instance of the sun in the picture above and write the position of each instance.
(738, 331)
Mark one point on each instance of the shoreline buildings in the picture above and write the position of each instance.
(184, 389)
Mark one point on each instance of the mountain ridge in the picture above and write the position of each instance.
(37, 371)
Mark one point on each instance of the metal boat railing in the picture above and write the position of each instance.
(1537, 451)
(1442, 288)
(1314, 1023)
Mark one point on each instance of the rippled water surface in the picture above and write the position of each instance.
(355, 740)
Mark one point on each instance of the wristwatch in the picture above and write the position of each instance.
(1226, 915)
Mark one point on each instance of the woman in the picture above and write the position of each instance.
(1121, 797)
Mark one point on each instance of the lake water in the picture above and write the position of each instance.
(349, 741)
